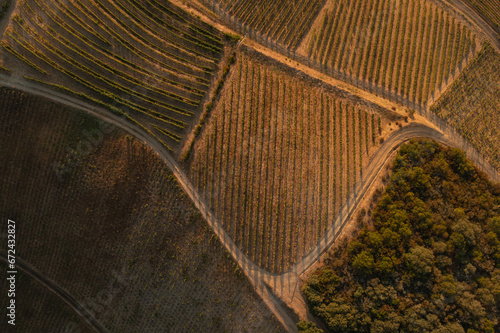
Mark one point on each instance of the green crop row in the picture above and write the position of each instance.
(99, 49)
(21, 57)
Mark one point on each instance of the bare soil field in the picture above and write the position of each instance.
(100, 215)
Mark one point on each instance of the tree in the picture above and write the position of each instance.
(460, 164)
(308, 327)
(450, 328)
(420, 261)
(363, 263)
(341, 316)
(386, 265)
(494, 225)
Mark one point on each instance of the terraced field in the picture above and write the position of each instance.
(472, 104)
(286, 21)
(407, 47)
(117, 233)
(278, 159)
(147, 59)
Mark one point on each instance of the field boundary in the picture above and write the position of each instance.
(475, 18)
(342, 75)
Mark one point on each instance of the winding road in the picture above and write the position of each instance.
(266, 284)
(259, 278)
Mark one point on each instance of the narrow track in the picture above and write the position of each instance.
(59, 292)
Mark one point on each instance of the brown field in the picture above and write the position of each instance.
(278, 159)
(37, 309)
(118, 210)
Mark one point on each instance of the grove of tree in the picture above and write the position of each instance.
(427, 258)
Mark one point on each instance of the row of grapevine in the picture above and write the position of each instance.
(118, 233)
(472, 104)
(277, 161)
(407, 47)
(286, 21)
(489, 10)
(152, 61)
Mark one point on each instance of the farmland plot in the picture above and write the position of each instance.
(407, 47)
(115, 222)
(38, 309)
(278, 159)
(489, 10)
(151, 60)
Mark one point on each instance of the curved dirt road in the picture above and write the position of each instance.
(257, 276)
(62, 294)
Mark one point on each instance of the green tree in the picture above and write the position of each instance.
(386, 265)
(341, 316)
(460, 164)
(308, 327)
(363, 263)
(420, 261)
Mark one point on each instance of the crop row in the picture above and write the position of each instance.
(489, 9)
(408, 47)
(285, 21)
(277, 160)
(130, 62)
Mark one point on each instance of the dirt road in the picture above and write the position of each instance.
(257, 276)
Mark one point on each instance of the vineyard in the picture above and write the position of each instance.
(147, 59)
(278, 159)
(117, 233)
(472, 104)
(284, 21)
(407, 47)
(489, 10)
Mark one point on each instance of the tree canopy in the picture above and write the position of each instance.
(427, 257)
